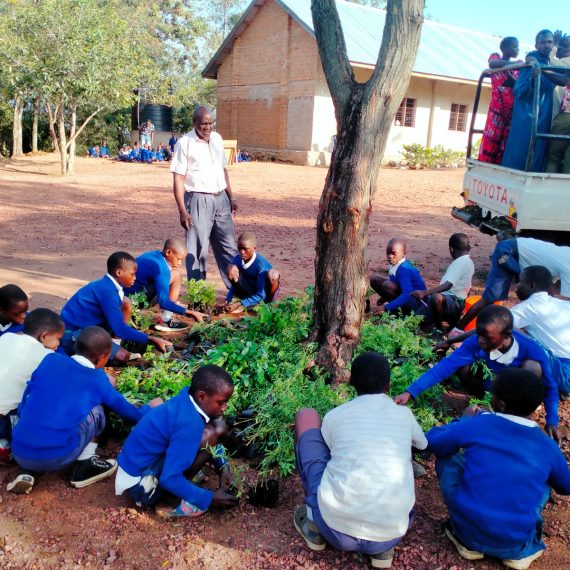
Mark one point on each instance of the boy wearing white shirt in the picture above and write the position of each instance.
(546, 319)
(446, 301)
(356, 468)
(20, 355)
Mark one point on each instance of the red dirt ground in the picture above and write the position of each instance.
(56, 235)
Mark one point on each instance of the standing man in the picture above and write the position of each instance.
(147, 133)
(204, 197)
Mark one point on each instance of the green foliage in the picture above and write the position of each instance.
(273, 369)
(480, 367)
(140, 317)
(219, 452)
(418, 156)
(200, 294)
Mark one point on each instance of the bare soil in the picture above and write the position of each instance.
(57, 233)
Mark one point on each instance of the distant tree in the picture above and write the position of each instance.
(364, 114)
(373, 3)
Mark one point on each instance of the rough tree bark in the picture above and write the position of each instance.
(17, 148)
(364, 113)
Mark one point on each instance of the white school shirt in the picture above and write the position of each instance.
(394, 268)
(546, 319)
(459, 274)
(367, 488)
(20, 355)
(202, 163)
(555, 258)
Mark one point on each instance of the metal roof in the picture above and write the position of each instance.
(444, 50)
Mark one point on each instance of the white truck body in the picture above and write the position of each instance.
(528, 200)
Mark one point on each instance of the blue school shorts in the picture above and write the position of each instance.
(561, 372)
(449, 471)
(504, 268)
(92, 426)
(67, 343)
(147, 492)
(313, 454)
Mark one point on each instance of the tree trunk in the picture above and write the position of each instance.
(52, 117)
(72, 139)
(17, 148)
(62, 137)
(35, 126)
(365, 113)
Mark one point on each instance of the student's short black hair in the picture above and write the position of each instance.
(39, 321)
(118, 260)
(540, 276)
(520, 390)
(10, 295)
(460, 242)
(210, 379)
(93, 342)
(370, 373)
(506, 42)
(542, 33)
(496, 314)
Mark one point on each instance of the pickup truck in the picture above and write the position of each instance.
(499, 199)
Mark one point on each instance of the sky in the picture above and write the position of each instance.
(521, 18)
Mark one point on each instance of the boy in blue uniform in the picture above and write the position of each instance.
(403, 278)
(172, 142)
(495, 470)
(252, 277)
(103, 303)
(13, 309)
(158, 275)
(104, 150)
(168, 443)
(498, 346)
(61, 414)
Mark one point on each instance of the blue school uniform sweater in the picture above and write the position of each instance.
(153, 277)
(59, 396)
(173, 431)
(253, 279)
(507, 469)
(470, 352)
(13, 329)
(134, 154)
(104, 151)
(98, 303)
(409, 279)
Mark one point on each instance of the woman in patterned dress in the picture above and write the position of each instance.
(502, 99)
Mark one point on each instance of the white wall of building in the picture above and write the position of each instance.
(434, 98)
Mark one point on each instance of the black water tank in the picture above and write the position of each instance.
(161, 116)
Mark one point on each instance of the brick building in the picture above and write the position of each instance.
(273, 97)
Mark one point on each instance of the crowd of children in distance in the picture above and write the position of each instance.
(139, 152)
(496, 468)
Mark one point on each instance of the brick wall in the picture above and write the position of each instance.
(266, 84)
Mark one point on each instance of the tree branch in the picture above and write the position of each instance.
(403, 26)
(78, 131)
(332, 49)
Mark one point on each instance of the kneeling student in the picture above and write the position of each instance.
(20, 355)
(356, 468)
(61, 414)
(495, 471)
(159, 277)
(167, 446)
(103, 303)
(252, 277)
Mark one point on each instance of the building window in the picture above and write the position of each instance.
(458, 117)
(406, 115)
